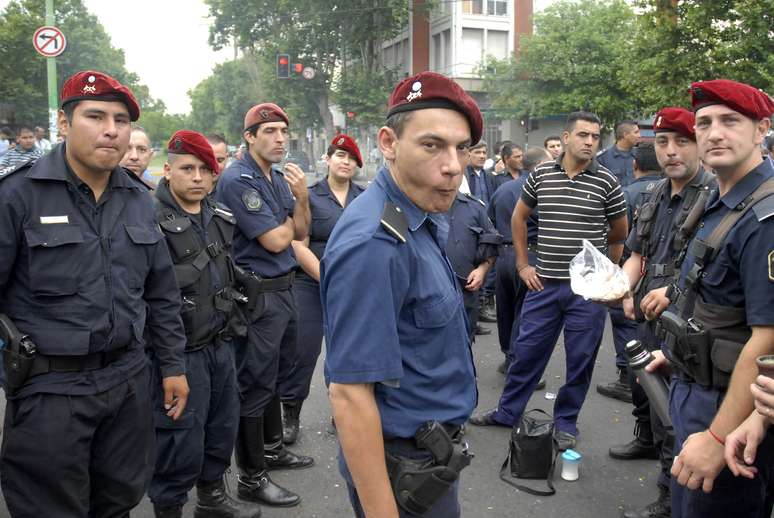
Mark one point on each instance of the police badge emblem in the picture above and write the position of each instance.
(340, 142)
(252, 200)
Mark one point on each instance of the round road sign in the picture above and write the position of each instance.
(308, 73)
(49, 41)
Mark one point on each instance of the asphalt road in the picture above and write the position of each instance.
(604, 488)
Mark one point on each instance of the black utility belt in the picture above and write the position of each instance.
(264, 285)
(44, 363)
(660, 269)
(532, 247)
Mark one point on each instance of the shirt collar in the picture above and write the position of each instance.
(592, 168)
(54, 166)
(414, 215)
(255, 169)
(745, 186)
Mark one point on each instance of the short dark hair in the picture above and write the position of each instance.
(216, 138)
(574, 117)
(623, 127)
(25, 128)
(397, 122)
(69, 109)
(506, 151)
(550, 138)
(5, 130)
(645, 156)
(534, 156)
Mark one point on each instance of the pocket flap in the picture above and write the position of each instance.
(143, 235)
(437, 314)
(476, 230)
(53, 235)
(725, 353)
(175, 226)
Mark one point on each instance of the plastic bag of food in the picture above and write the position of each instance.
(594, 277)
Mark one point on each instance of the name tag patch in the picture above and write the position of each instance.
(50, 220)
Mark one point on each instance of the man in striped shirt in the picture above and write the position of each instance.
(578, 199)
(24, 151)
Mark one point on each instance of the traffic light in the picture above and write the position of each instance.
(351, 115)
(283, 66)
(298, 68)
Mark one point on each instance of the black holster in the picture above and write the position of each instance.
(687, 347)
(18, 354)
(418, 484)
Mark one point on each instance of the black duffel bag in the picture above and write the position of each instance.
(532, 452)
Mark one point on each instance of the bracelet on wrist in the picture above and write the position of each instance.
(721, 441)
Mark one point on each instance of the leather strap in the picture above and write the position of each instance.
(43, 364)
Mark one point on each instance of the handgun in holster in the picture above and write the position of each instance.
(249, 288)
(18, 354)
(418, 485)
(687, 347)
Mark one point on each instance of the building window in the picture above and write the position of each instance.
(497, 44)
(497, 7)
(447, 53)
(473, 6)
(472, 49)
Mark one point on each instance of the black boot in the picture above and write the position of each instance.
(486, 311)
(277, 456)
(618, 389)
(291, 417)
(661, 508)
(168, 512)
(260, 488)
(213, 501)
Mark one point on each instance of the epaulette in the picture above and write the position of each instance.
(220, 210)
(8, 171)
(137, 179)
(394, 222)
(764, 209)
(245, 175)
(468, 195)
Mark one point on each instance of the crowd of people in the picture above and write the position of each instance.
(147, 338)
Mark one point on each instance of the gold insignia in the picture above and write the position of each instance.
(89, 89)
(658, 121)
(264, 114)
(340, 142)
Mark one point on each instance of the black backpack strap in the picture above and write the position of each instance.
(537, 492)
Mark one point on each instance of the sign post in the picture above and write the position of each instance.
(50, 42)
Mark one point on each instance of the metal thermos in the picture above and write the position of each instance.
(654, 384)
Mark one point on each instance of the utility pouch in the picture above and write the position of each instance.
(645, 219)
(18, 354)
(688, 347)
(724, 356)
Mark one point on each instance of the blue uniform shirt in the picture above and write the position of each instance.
(79, 275)
(393, 314)
(501, 208)
(468, 223)
(259, 205)
(618, 162)
(637, 193)
(326, 211)
(482, 185)
(742, 274)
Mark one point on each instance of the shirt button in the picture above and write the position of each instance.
(701, 225)
(669, 211)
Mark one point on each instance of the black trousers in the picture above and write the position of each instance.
(310, 338)
(78, 456)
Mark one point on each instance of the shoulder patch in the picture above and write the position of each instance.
(394, 222)
(470, 196)
(223, 213)
(764, 209)
(8, 171)
(252, 200)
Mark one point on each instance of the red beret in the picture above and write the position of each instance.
(431, 90)
(675, 119)
(349, 145)
(265, 112)
(185, 142)
(96, 86)
(740, 97)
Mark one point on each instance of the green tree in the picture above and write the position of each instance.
(677, 43)
(333, 37)
(23, 86)
(573, 61)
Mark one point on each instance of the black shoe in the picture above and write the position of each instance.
(291, 417)
(636, 449)
(482, 331)
(168, 512)
(487, 315)
(541, 384)
(564, 440)
(486, 419)
(661, 508)
(503, 367)
(213, 501)
(618, 389)
(286, 459)
(260, 488)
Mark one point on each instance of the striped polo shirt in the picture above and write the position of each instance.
(571, 210)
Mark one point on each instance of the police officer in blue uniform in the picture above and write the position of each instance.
(199, 236)
(722, 316)
(401, 375)
(509, 289)
(271, 207)
(327, 200)
(472, 249)
(665, 214)
(618, 157)
(646, 175)
(81, 260)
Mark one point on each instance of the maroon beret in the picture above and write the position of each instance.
(431, 90)
(675, 119)
(186, 142)
(265, 112)
(96, 86)
(349, 145)
(740, 97)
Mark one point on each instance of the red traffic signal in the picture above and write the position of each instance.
(351, 115)
(298, 68)
(283, 66)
